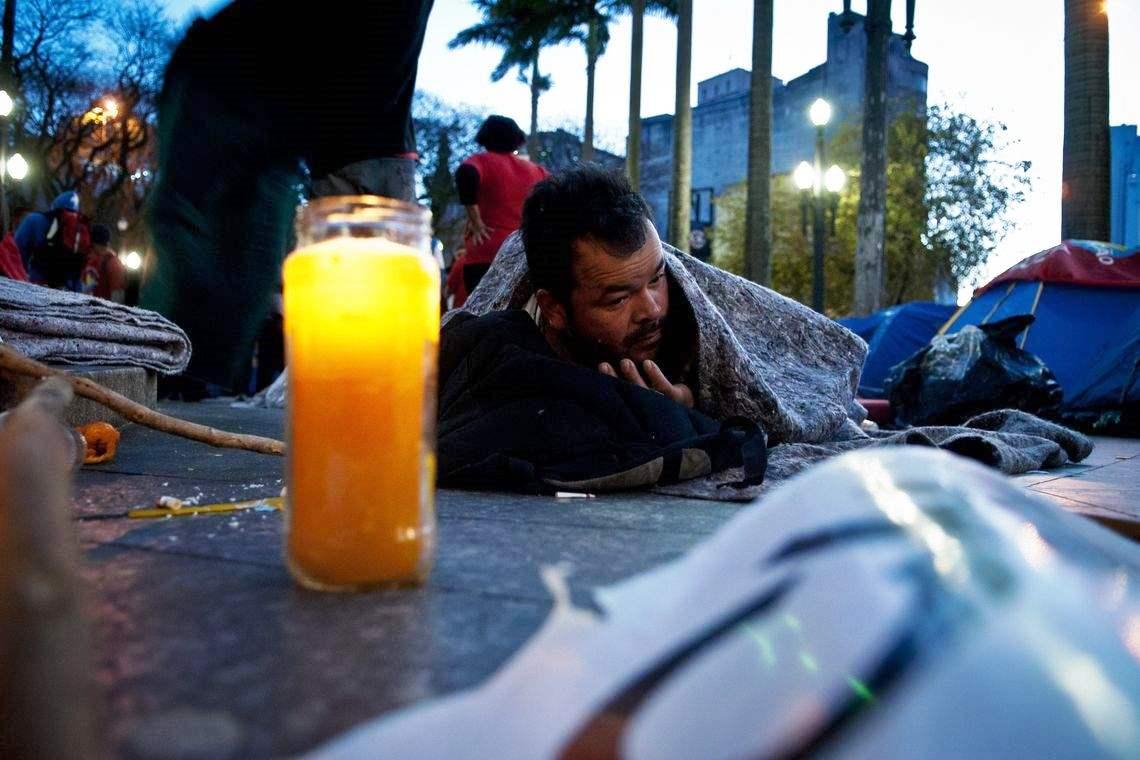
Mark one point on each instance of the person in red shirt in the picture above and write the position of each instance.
(11, 260)
(492, 186)
(104, 276)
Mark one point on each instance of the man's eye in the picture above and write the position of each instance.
(617, 301)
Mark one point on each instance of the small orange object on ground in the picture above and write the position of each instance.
(100, 440)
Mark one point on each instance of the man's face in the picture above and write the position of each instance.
(618, 305)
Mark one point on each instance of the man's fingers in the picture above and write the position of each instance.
(630, 373)
(656, 378)
(679, 392)
(684, 395)
(606, 369)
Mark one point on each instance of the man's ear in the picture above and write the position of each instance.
(553, 311)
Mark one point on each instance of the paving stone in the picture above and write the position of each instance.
(290, 667)
(1115, 486)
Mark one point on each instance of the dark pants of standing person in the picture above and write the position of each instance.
(251, 98)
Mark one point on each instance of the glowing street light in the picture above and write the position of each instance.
(819, 193)
(820, 112)
(17, 167)
(804, 176)
(132, 261)
(6, 104)
(834, 179)
(111, 108)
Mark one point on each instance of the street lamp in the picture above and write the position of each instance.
(834, 179)
(7, 104)
(804, 176)
(17, 167)
(819, 191)
(133, 261)
(820, 112)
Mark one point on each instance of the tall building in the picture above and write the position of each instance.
(1125, 187)
(720, 118)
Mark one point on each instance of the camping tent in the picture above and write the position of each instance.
(892, 335)
(1086, 298)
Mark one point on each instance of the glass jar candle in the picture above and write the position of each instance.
(361, 296)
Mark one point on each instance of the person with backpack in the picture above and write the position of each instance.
(54, 246)
(104, 276)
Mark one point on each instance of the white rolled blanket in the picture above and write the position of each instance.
(69, 328)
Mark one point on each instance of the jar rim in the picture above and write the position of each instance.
(331, 204)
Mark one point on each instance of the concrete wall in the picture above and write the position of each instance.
(1125, 192)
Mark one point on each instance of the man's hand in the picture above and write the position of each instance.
(657, 381)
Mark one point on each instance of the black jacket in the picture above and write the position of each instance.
(513, 416)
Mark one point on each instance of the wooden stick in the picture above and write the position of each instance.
(14, 362)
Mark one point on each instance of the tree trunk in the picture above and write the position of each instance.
(591, 64)
(7, 50)
(758, 229)
(7, 82)
(1085, 165)
(682, 131)
(532, 139)
(633, 142)
(871, 225)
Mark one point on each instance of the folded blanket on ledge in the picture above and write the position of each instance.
(772, 361)
(68, 328)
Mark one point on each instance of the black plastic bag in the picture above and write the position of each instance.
(976, 370)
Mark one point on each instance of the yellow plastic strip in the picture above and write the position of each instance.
(999, 303)
(1033, 311)
(275, 502)
(954, 317)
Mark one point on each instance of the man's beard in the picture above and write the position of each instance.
(591, 352)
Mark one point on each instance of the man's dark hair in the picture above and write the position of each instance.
(585, 202)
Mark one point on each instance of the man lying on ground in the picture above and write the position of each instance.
(592, 356)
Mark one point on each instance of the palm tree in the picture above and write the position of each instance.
(522, 28)
(1085, 163)
(680, 202)
(758, 225)
(595, 17)
(638, 9)
(871, 224)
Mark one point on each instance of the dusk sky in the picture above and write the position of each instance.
(1001, 60)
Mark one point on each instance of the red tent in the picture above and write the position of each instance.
(1076, 262)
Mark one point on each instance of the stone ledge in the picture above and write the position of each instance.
(136, 383)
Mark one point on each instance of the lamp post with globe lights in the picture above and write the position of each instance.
(7, 104)
(819, 191)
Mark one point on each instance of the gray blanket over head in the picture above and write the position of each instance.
(68, 328)
(772, 360)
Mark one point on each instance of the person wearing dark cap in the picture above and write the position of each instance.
(104, 275)
(492, 186)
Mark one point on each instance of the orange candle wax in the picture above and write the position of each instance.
(362, 332)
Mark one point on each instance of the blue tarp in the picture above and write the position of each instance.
(1088, 336)
(893, 335)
